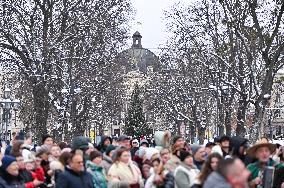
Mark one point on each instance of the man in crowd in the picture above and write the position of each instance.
(225, 143)
(261, 151)
(231, 173)
(75, 174)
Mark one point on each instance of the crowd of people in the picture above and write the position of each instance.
(125, 162)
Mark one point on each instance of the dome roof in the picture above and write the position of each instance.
(138, 58)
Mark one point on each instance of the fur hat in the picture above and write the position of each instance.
(7, 160)
(150, 152)
(80, 142)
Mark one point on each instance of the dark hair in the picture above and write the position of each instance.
(95, 154)
(64, 157)
(62, 145)
(156, 160)
(206, 168)
(119, 153)
(224, 166)
(16, 148)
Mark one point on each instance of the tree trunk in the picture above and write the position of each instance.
(241, 114)
(41, 107)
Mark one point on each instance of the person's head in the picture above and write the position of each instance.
(124, 141)
(177, 142)
(62, 145)
(208, 147)
(122, 155)
(107, 141)
(157, 165)
(55, 151)
(76, 162)
(144, 143)
(43, 153)
(20, 162)
(135, 143)
(64, 157)
(17, 148)
(198, 152)
(28, 139)
(186, 158)
(165, 155)
(47, 140)
(96, 157)
(225, 143)
(263, 154)
(211, 164)
(110, 150)
(234, 171)
(9, 164)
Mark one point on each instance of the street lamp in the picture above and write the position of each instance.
(7, 104)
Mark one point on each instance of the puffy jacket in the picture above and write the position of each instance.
(99, 178)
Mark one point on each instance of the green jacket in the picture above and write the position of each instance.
(254, 168)
(98, 175)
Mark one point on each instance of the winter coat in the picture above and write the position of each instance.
(169, 181)
(99, 178)
(160, 140)
(106, 163)
(9, 181)
(72, 179)
(216, 180)
(125, 173)
(185, 176)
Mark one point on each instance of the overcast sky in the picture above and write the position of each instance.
(150, 15)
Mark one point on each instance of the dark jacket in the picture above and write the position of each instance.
(72, 179)
(9, 181)
(235, 143)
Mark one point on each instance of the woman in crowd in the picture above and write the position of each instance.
(124, 172)
(94, 166)
(107, 158)
(161, 177)
(209, 166)
(186, 172)
(9, 173)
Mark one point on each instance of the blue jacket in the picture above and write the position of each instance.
(72, 179)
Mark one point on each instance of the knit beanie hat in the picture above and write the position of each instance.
(44, 137)
(194, 148)
(80, 142)
(175, 138)
(109, 149)
(184, 154)
(6, 161)
(20, 136)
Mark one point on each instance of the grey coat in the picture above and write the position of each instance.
(215, 180)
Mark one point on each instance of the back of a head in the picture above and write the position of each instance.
(225, 166)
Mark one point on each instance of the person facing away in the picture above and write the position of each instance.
(74, 175)
(230, 173)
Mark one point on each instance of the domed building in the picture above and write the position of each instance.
(136, 65)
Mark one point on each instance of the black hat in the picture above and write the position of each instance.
(175, 138)
(44, 137)
(224, 138)
(184, 154)
(122, 138)
(20, 136)
(209, 144)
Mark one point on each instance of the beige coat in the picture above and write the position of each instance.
(120, 172)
